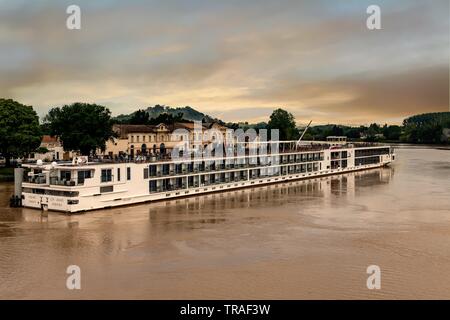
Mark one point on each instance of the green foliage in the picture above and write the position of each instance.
(392, 133)
(167, 119)
(321, 132)
(42, 150)
(139, 117)
(187, 112)
(245, 125)
(6, 174)
(81, 126)
(442, 118)
(374, 132)
(143, 117)
(426, 128)
(283, 121)
(20, 132)
(164, 114)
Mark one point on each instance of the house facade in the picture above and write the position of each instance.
(135, 140)
(55, 150)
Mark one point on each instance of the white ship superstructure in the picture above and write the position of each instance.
(82, 186)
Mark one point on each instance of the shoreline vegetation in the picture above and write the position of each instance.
(85, 128)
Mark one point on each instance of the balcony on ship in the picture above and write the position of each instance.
(57, 176)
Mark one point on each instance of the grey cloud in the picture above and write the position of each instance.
(254, 53)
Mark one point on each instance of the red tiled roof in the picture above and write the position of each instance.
(49, 139)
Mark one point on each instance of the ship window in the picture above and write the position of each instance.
(145, 173)
(82, 175)
(106, 175)
(65, 175)
(152, 186)
(118, 174)
(152, 170)
(106, 189)
(178, 183)
(128, 173)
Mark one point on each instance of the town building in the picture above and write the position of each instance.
(135, 140)
(54, 150)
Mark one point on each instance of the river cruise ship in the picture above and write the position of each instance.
(82, 185)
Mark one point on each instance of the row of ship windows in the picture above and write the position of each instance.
(47, 192)
(207, 179)
(169, 184)
(371, 152)
(180, 168)
(107, 175)
(367, 160)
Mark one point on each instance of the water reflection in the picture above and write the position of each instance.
(216, 208)
(324, 187)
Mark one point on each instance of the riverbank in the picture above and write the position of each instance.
(6, 174)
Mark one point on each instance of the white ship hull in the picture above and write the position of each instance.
(131, 184)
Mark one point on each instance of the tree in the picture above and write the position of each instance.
(139, 117)
(81, 126)
(42, 150)
(20, 132)
(166, 118)
(354, 132)
(337, 131)
(425, 128)
(283, 121)
(392, 132)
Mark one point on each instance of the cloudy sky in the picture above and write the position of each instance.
(234, 59)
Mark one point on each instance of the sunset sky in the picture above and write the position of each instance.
(236, 60)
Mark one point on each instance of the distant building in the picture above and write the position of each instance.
(55, 150)
(134, 140)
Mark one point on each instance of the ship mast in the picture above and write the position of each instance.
(304, 131)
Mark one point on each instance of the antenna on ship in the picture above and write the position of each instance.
(304, 131)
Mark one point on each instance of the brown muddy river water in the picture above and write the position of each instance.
(300, 240)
